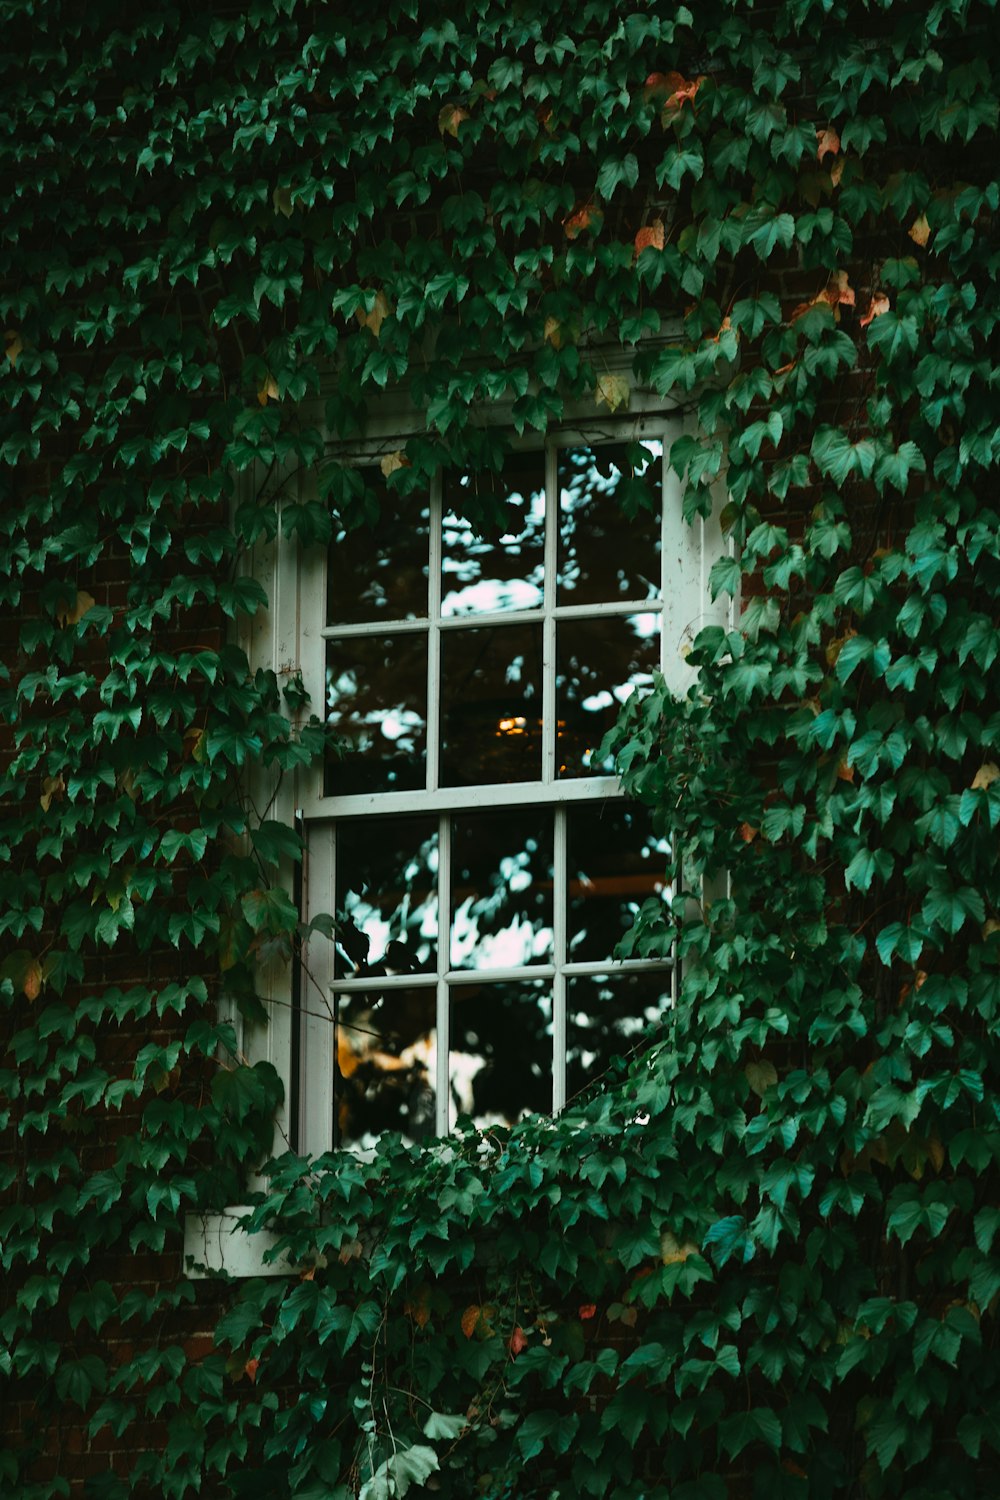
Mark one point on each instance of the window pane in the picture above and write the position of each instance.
(491, 705)
(600, 663)
(501, 567)
(385, 1057)
(380, 573)
(606, 1018)
(386, 902)
(615, 863)
(376, 693)
(501, 897)
(500, 1064)
(609, 522)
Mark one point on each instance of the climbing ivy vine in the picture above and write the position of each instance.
(760, 1259)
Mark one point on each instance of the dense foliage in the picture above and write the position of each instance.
(761, 1262)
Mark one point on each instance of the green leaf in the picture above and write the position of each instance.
(616, 170)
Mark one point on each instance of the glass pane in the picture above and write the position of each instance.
(491, 705)
(600, 663)
(386, 902)
(609, 522)
(501, 894)
(500, 1063)
(385, 1054)
(615, 863)
(376, 695)
(607, 1017)
(380, 573)
(498, 562)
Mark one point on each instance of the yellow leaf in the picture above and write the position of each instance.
(612, 391)
(194, 743)
(268, 388)
(673, 1251)
(380, 311)
(836, 645)
(761, 1076)
(553, 332)
(393, 461)
(14, 344)
(985, 776)
(52, 789)
(83, 603)
(920, 231)
(450, 118)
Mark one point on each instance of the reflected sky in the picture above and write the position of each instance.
(609, 522)
(387, 904)
(376, 702)
(500, 564)
(381, 572)
(502, 889)
(600, 664)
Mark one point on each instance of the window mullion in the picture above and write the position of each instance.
(664, 550)
(434, 639)
(549, 726)
(559, 940)
(442, 1083)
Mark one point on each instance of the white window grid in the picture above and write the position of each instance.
(681, 606)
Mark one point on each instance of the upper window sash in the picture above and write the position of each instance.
(680, 586)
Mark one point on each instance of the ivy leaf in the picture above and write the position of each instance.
(275, 842)
(78, 1379)
(612, 391)
(729, 1238)
(406, 1467)
(442, 1428)
(616, 170)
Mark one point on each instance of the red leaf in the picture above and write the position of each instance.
(650, 237)
(673, 88)
(827, 143)
(588, 1310)
(579, 221)
(250, 1368)
(876, 307)
(517, 1342)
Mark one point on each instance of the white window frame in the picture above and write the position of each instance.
(291, 637)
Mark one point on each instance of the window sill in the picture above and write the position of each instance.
(216, 1245)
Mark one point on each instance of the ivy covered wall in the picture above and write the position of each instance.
(764, 1264)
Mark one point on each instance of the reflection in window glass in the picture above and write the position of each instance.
(607, 1017)
(609, 522)
(501, 898)
(600, 663)
(386, 903)
(500, 1063)
(491, 705)
(385, 1057)
(615, 863)
(376, 693)
(380, 574)
(494, 564)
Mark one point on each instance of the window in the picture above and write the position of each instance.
(479, 857)
(498, 856)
